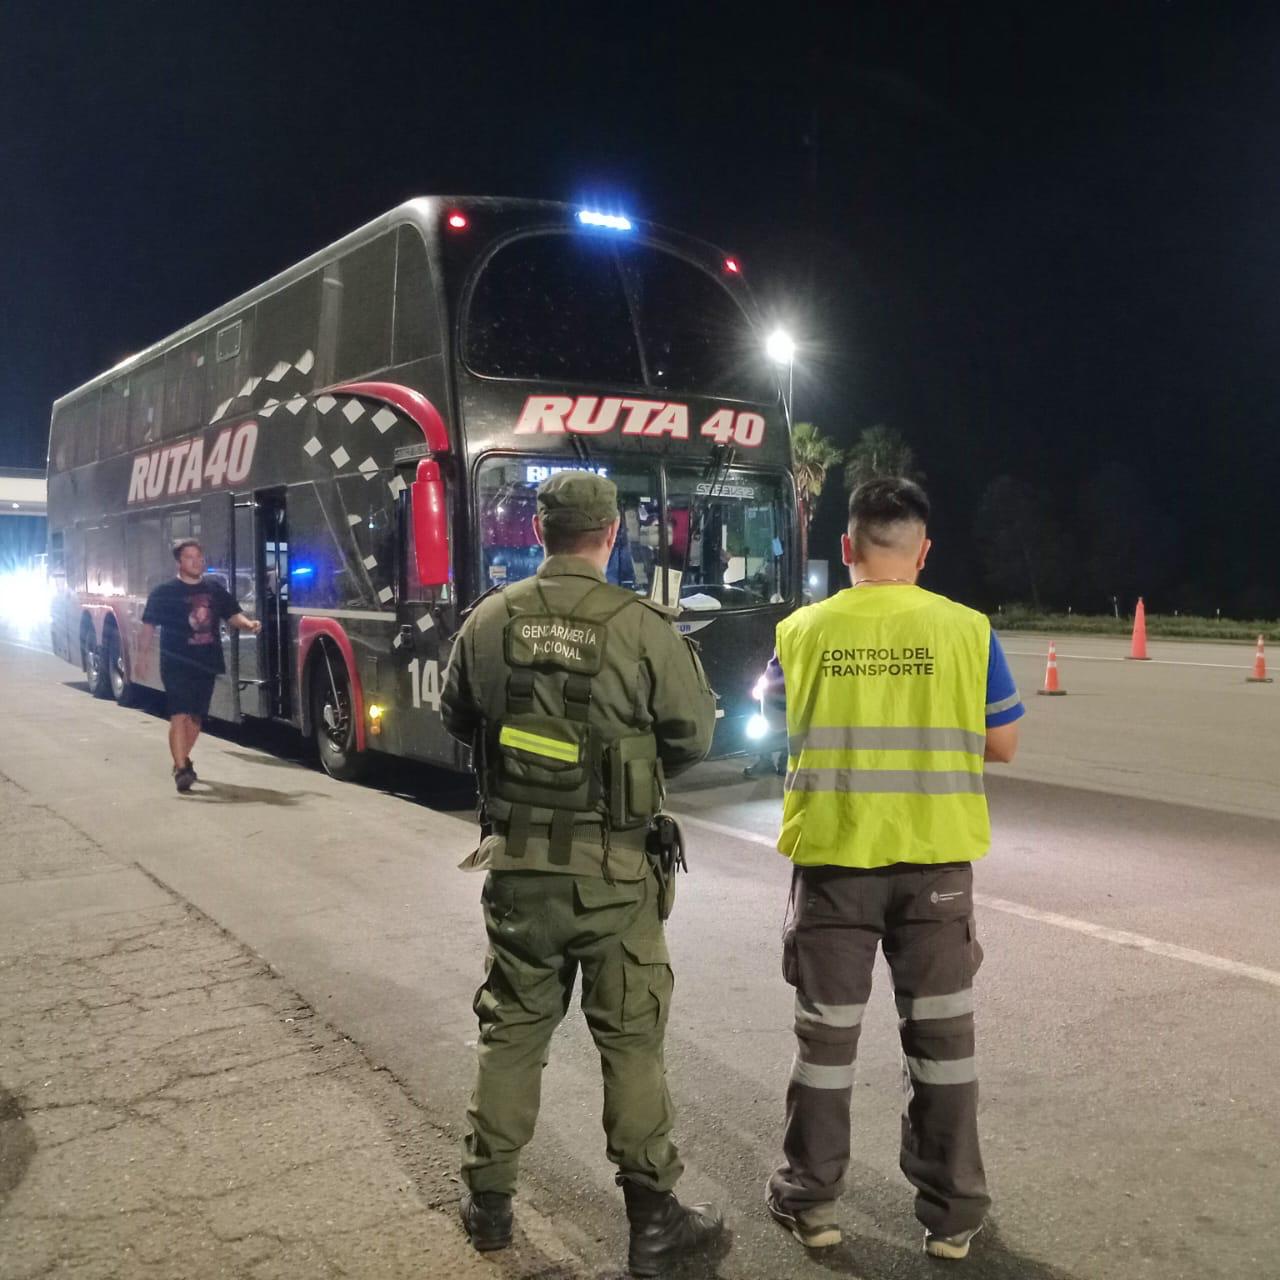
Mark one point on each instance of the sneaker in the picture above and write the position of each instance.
(191, 769)
(487, 1217)
(956, 1246)
(815, 1227)
(184, 777)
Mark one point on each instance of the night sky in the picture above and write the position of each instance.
(1041, 241)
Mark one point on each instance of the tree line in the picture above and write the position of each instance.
(1092, 553)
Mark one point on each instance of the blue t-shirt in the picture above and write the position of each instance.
(1004, 706)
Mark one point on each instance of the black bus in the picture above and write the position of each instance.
(357, 442)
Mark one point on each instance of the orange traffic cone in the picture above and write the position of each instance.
(1138, 645)
(1051, 687)
(1259, 667)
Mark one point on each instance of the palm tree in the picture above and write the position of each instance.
(813, 455)
(879, 451)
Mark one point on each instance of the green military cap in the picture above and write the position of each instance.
(577, 501)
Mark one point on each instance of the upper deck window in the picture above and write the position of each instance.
(576, 308)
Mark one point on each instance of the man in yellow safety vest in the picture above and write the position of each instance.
(895, 696)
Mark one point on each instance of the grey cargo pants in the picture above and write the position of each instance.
(543, 928)
(923, 918)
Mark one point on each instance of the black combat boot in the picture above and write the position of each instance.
(487, 1218)
(663, 1230)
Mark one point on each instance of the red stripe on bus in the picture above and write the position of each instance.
(308, 630)
(410, 402)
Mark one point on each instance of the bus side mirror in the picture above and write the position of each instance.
(430, 525)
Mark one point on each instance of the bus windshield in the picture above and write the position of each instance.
(725, 536)
(728, 538)
(566, 308)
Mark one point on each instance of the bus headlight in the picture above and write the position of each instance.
(757, 727)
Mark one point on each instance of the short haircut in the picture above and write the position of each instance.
(884, 511)
(180, 547)
(568, 542)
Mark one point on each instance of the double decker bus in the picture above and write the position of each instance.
(357, 444)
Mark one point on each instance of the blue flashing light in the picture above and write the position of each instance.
(301, 570)
(611, 221)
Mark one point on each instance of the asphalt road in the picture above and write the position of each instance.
(1128, 1029)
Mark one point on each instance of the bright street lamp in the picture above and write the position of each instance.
(780, 347)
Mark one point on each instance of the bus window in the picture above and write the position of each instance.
(186, 377)
(696, 338)
(286, 335)
(231, 372)
(728, 537)
(366, 277)
(552, 307)
(70, 426)
(146, 403)
(417, 330)
(506, 496)
(115, 417)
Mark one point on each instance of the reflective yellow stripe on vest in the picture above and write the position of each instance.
(539, 745)
(886, 694)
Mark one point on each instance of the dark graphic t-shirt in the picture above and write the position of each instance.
(188, 614)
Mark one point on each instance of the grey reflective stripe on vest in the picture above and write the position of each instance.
(828, 1015)
(994, 708)
(955, 1071)
(814, 1076)
(925, 782)
(896, 738)
(925, 1008)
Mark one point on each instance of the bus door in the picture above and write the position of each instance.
(217, 536)
(255, 694)
(275, 647)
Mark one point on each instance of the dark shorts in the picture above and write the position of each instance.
(187, 691)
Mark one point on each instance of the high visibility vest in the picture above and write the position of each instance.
(886, 726)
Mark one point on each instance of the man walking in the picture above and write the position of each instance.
(895, 697)
(578, 698)
(188, 610)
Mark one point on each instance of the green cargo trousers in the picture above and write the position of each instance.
(543, 928)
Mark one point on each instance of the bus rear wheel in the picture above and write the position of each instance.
(333, 722)
(123, 690)
(93, 662)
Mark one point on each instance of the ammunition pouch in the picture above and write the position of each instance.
(637, 787)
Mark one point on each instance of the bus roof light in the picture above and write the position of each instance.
(611, 221)
(458, 220)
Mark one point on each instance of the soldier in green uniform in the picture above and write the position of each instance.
(578, 699)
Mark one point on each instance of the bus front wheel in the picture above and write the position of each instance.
(333, 723)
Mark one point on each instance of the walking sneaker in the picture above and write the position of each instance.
(956, 1246)
(487, 1217)
(191, 769)
(184, 777)
(815, 1227)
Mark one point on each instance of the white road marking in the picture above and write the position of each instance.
(1155, 662)
(1120, 937)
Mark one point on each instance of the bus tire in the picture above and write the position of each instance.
(93, 662)
(123, 690)
(333, 725)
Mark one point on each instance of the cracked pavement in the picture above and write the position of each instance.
(168, 1107)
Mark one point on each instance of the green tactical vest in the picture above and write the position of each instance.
(543, 753)
(886, 725)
